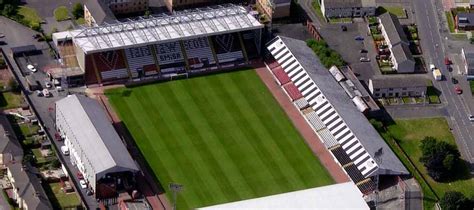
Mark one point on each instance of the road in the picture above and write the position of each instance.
(19, 35)
(434, 47)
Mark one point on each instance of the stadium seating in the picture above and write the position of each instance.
(281, 76)
(111, 65)
(138, 57)
(250, 44)
(228, 48)
(292, 91)
(366, 186)
(114, 74)
(199, 53)
(170, 57)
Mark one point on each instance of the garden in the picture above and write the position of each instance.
(383, 53)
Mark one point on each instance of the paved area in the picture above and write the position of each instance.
(303, 127)
(4, 203)
(19, 35)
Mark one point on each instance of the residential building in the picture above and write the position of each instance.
(397, 42)
(94, 146)
(464, 21)
(26, 187)
(464, 3)
(275, 8)
(10, 148)
(468, 60)
(389, 86)
(402, 59)
(347, 8)
(96, 12)
(173, 5)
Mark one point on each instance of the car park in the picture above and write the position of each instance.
(31, 68)
(83, 183)
(458, 90)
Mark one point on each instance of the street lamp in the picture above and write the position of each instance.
(176, 188)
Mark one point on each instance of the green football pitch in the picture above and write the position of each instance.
(223, 137)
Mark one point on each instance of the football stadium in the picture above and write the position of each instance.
(223, 137)
(226, 137)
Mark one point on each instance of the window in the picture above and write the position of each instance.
(404, 88)
(391, 89)
(377, 95)
(377, 89)
(390, 94)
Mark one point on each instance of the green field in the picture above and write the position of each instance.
(408, 134)
(224, 137)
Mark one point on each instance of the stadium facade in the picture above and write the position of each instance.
(188, 41)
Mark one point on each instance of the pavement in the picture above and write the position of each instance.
(432, 32)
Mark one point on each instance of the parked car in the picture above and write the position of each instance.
(89, 192)
(454, 80)
(79, 175)
(432, 67)
(83, 183)
(46, 93)
(363, 51)
(471, 118)
(450, 69)
(39, 93)
(447, 61)
(458, 90)
(31, 68)
(359, 38)
(364, 59)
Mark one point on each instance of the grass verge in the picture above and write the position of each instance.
(317, 10)
(450, 19)
(223, 137)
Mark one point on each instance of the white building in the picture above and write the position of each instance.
(394, 86)
(94, 145)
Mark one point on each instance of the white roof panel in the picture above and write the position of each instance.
(327, 197)
(165, 28)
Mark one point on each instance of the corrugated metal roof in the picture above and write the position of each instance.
(95, 134)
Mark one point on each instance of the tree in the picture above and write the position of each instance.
(8, 10)
(439, 158)
(78, 11)
(453, 200)
(13, 85)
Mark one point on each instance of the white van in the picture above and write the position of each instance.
(65, 150)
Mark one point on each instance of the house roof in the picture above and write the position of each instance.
(402, 53)
(94, 132)
(8, 142)
(29, 186)
(100, 11)
(327, 197)
(469, 54)
(358, 124)
(468, 19)
(399, 81)
(393, 28)
(348, 3)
